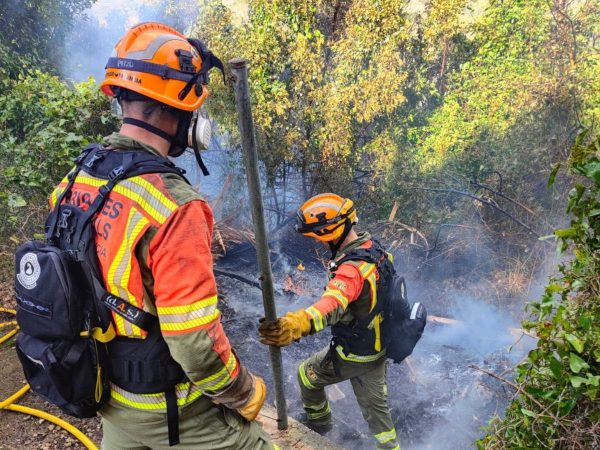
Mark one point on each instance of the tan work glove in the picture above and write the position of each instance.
(251, 409)
(246, 394)
(284, 330)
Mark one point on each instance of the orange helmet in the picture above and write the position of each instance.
(324, 217)
(160, 63)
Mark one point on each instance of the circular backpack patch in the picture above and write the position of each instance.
(29, 271)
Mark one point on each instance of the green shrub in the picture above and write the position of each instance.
(560, 379)
(44, 123)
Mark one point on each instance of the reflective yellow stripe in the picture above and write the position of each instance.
(203, 309)
(186, 309)
(305, 381)
(151, 200)
(338, 295)
(186, 394)
(372, 280)
(386, 436)
(358, 358)
(189, 324)
(120, 270)
(57, 191)
(219, 379)
(317, 318)
(366, 269)
(377, 328)
(318, 407)
(319, 414)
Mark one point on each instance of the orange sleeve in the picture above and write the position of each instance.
(186, 297)
(343, 289)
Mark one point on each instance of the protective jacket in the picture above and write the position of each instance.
(153, 246)
(349, 297)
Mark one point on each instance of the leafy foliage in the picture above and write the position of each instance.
(44, 123)
(33, 33)
(369, 100)
(560, 379)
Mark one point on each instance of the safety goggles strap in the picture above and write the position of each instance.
(136, 65)
(317, 226)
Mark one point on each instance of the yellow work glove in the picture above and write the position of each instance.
(259, 392)
(285, 330)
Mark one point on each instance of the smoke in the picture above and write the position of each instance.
(482, 329)
(91, 41)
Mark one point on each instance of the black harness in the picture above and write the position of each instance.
(141, 366)
(357, 337)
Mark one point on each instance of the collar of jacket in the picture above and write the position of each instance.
(362, 238)
(121, 142)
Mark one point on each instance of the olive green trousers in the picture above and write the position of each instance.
(369, 385)
(202, 426)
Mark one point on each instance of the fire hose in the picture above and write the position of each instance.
(8, 403)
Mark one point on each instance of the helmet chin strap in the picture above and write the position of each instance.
(151, 128)
(335, 247)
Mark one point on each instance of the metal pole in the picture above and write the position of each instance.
(246, 126)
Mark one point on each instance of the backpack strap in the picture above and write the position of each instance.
(374, 255)
(132, 164)
(79, 161)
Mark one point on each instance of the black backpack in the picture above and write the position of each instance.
(403, 323)
(62, 304)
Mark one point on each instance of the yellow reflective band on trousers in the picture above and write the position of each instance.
(221, 378)
(337, 294)
(386, 436)
(117, 278)
(186, 392)
(305, 381)
(397, 447)
(317, 317)
(324, 411)
(185, 317)
(358, 358)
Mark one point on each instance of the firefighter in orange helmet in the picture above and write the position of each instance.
(351, 307)
(178, 381)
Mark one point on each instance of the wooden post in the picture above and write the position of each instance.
(239, 71)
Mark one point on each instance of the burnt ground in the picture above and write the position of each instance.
(437, 402)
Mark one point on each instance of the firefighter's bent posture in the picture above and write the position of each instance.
(153, 245)
(355, 352)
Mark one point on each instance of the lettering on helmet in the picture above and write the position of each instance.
(124, 64)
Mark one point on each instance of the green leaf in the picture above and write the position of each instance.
(566, 232)
(556, 368)
(16, 201)
(593, 380)
(575, 342)
(577, 381)
(553, 174)
(576, 363)
(528, 412)
(552, 288)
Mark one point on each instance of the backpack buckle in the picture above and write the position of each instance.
(95, 157)
(63, 221)
(116, 172)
